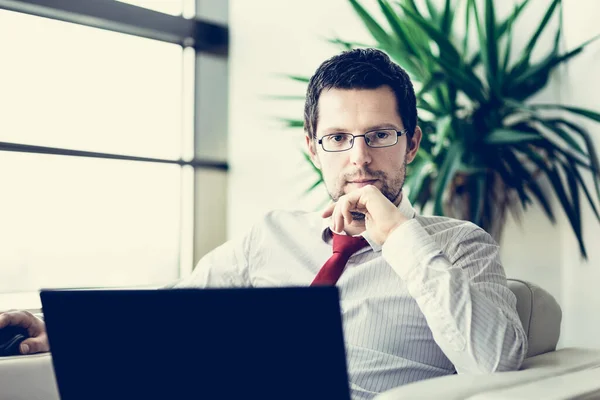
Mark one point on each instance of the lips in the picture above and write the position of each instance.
(364, 181)
(360, 183)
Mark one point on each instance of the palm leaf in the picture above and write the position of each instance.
(590, 200)
(418, 173)
(447, 49)
(376, 30)
(540, 29)
(433, 11)
(575, 110)
(313, 186)
(491, 47)
(509, 136)
(507, 23)
(463, 79)
(478, 199)
(570, 209)
(535, 77)
(314, 167)
(298, 78)
(396, 25)
(593, 156)
(416, 34)
(446, 173)
(347, 45)
(564, 135)
(507, 49)
(559, 190)
(502, 166)
(443, 130)
(465, 45)
(532, 182)
(436, 79)
(523, 62)
(447, 17)
(292, 123)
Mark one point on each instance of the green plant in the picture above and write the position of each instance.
(486, 148)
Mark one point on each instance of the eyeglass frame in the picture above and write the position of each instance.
(398, 134)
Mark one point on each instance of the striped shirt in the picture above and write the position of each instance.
(432, 301)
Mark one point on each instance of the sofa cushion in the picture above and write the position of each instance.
(27, 378)
(540, 314)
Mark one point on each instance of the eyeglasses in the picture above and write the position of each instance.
(344, 141)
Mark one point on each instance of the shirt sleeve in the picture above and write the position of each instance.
(463, 295)
(225, 266)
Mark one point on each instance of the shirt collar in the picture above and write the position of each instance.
(405, 208)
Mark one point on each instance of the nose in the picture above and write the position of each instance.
(360, 153)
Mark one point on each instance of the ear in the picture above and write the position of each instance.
(312, 151)
(413, 145)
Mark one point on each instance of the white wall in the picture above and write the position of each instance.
(270, 37)
(581, 305)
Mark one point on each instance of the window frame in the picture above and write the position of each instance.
(192, 34)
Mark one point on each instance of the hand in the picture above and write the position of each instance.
(381, 215)
(38, 340)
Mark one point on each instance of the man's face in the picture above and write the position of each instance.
(358, 111)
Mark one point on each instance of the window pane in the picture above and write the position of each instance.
(77, 222)
(72, 86)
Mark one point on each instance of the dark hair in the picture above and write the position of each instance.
(361, 69)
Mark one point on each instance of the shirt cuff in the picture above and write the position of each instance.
(408, 247)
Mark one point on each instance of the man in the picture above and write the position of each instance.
(421, 296)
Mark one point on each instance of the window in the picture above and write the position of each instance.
(88, 89)
(101, 175)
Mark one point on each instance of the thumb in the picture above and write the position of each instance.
(38, 344)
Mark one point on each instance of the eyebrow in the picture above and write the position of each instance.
(371, 128)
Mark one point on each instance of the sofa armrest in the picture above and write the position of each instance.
(583, 384)
(464, 386)
(27, 378)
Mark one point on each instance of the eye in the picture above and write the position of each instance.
(336, 138)
(382, 135)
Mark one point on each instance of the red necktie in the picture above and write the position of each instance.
(343, 247)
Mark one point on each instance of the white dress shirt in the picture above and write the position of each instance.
(432, 301)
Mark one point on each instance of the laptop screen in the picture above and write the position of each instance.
(267, 343)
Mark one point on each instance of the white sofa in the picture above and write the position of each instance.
(27, 378)
(546, 373)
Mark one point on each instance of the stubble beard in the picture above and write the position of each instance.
(391, 189)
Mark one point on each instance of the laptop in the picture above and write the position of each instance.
(251, 343)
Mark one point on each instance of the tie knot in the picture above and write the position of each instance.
(346, 244)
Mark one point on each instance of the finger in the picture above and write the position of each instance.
(338, 218)
(357, 200)
(345, 211)
(23, 319)
(328, 211)
(37, 344)
(5, 318)
(15, 318)
(369, 200)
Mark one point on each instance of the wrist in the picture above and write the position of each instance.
(396, 225)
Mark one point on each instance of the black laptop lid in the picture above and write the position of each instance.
(271, 343)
